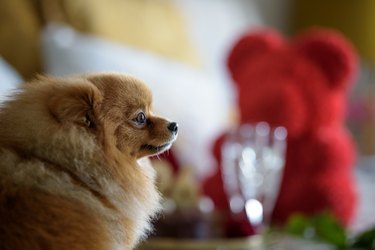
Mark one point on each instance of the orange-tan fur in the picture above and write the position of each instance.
(70, 172)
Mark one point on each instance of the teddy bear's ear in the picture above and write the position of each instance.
(331, 53)
(250, 46)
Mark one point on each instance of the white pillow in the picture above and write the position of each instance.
(9, 79)
(198, 101)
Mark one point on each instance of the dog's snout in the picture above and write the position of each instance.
(173, 127)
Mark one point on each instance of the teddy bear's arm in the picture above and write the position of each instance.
(319, 177)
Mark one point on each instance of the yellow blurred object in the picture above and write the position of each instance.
(156, 25)
(356, 19)
(186, 190)
(152, 25)
(19, 36)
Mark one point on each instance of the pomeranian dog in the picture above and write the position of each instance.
(70, 163)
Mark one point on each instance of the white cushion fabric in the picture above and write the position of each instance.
(9, 79)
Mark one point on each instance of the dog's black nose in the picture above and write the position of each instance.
(173, 127)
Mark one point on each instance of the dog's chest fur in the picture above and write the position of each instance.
(75, 169)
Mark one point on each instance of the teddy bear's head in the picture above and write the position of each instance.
(299, 84)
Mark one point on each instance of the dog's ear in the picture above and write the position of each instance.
(77, 103)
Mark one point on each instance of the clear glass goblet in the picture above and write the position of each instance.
(253, 157)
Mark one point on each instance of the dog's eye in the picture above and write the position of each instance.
(140, 119)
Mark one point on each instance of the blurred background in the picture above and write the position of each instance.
(180, 48)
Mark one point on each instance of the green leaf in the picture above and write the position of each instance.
(328, 229)
(297, 224)
(322, 227)
(365, 240)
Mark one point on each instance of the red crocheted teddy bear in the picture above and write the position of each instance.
(302, 85)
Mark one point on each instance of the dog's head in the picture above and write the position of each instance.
(118, 109)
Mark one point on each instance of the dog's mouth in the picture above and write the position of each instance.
(156, 149)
